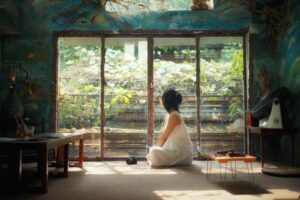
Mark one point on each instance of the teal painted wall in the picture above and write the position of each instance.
(284, 64)
(289, 75)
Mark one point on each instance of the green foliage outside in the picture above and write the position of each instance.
(79, 81)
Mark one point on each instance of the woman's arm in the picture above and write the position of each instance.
(173, 121)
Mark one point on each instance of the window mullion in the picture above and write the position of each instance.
(102, 88)
(198, 93)
(150, 86)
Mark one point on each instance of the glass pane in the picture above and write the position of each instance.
(175, 67)
(125, 97)
(222, 90)
(78, 91)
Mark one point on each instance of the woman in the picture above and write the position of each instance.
(174, 146)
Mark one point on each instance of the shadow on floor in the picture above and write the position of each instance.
(241, 188)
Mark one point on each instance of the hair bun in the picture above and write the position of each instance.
(178, 98)
(171, 100)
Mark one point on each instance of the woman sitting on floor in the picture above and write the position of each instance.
(174, 146)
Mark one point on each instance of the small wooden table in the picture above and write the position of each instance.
(42, 143)
(263, 132)
(225, 159)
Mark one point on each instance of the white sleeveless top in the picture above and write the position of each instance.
(177, 150)
(179, 139)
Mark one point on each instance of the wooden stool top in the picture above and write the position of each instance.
(225, 159)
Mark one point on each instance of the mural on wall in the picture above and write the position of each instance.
(81, 12)
(269, 17)
(288, 57)
(29, 47)
(8, 17)
(90, 15)
(290, 60)
(290, 50)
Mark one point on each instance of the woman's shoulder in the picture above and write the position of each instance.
(175, 114)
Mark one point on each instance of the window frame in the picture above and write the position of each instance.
(150, 35)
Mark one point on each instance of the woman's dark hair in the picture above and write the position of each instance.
(171, 99)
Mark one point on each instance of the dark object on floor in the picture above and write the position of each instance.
(236, 154)
(223, 153)
(230, 153)
(131, 160)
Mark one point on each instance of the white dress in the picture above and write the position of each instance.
(177, 150)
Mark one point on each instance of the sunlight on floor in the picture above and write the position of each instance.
(286, 194)
(192, 194)
(108, 168)
(280, 194)
(172, 186)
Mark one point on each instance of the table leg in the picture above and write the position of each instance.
(208, 167)
(225, 172)
(250, 171)
(262, 150)
(15, 169)
(207, 175)
(225, 168)
(66, 160)
(80, 152)
(231, 168)
(249, 149)
(293, 148)
(43, 166)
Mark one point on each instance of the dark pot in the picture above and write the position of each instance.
(12, 105)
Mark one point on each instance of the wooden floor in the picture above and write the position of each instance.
(114, 180)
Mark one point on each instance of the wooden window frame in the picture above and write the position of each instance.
(150, 35)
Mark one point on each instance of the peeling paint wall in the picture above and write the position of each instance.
(289, 76)
(284, 65)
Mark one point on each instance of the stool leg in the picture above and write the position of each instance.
(220, 171)
(210, 166)
(207, 170)
(225, 168)
(251, 175)
(225, 172)
(232, 172)
(235, 168)
(252, 172)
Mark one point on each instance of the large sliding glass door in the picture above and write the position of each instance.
(78, 90)
(222, 93)
(175, 67)
(125, 99)
(127, 71)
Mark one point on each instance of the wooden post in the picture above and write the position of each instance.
(198, 93)
(81, 152)
(54, 114)
(102, 88)
(43, 162)
(66, 160)
(246, 86)
(150, 87)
